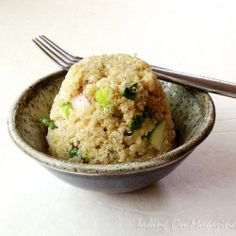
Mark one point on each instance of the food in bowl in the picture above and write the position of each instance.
(110, 109)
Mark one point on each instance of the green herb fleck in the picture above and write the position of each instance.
(138, 120)
(49, 123)
(65, 109)
(74, 152)
(102, 97)
(130, 91)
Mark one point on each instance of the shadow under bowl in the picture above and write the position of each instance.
(192, 111)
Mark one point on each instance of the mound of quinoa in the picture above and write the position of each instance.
(106, 110)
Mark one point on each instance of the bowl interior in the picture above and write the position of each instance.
(189, 108)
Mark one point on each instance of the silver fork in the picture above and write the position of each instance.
(65, 60)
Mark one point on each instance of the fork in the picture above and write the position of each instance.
(65, 60)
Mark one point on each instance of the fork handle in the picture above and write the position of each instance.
(200, 82)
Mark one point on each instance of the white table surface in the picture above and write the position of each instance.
(199, 197)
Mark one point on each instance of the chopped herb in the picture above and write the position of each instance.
(74, 151)
(148, 112)
(49, 123)
(130, 91)
(102, 97)
(138, 120)
(157, 135)
(65, 109)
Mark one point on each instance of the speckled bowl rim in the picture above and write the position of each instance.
(175, 155)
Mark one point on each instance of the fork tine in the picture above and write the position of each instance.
(60, 61)
(62, 51)
(55, 53)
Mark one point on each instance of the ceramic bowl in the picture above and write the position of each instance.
(192, 111)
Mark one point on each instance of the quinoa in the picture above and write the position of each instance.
(106, 110)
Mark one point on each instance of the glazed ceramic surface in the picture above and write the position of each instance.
(192, 111)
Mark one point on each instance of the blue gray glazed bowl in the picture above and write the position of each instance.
(193, 113)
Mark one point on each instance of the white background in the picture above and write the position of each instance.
(199, 197)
